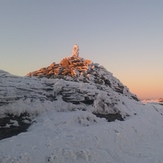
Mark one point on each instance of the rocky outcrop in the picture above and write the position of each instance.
(81, 70)
(72, 84)
(71, 66)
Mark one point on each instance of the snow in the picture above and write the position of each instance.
(79, 136)
(63, 132)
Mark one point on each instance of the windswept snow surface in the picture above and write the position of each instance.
(64, 132)
(81, 137)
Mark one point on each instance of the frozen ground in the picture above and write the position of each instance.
(79, 136)
(65, 130)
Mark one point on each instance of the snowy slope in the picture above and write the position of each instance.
(79, 136)
(68, 117)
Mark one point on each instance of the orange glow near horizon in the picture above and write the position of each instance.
(146, 94)
(144, 85)
(146, 89)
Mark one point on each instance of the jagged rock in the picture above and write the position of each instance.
(65, 63)
(71, 66)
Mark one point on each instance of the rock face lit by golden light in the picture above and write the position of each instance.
(68, 66)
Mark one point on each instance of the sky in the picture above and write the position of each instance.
(125, 37)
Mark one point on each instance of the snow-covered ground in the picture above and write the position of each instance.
(65, 130)
(79, 136)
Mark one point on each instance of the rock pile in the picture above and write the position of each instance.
(77, 69)
(70, 66)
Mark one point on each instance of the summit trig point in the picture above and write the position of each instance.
(75, 51)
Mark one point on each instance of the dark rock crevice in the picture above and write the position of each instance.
(110, 117)
(12, 125)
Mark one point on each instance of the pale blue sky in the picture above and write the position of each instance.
(125, 36)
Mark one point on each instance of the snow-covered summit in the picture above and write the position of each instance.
(73, 84)
(78, 69)
(64, 112)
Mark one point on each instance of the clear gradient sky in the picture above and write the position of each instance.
(125, 36)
